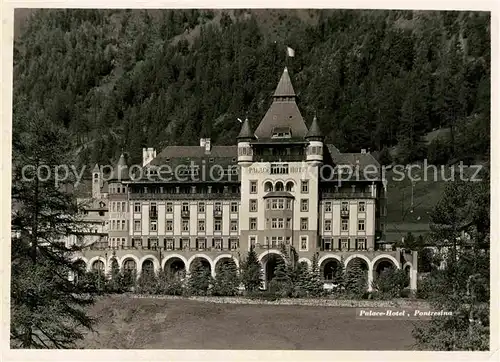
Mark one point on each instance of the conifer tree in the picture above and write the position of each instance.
(251, 273)
(200, 279)
(356, 279)
(340, 276)
(47, 309)
(226, 279)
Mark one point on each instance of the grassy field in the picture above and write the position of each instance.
(124, 322)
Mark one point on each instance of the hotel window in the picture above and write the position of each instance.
(253, 187)
(169, 244)
(123, 225)
(218, 206)
(169, 207)
(124, 206)
(361, 225)
(288, 240)
(201, 243)
(137, 207)
(217, 225)
(288, 223)
(185, 207)
(234, 225)
(344, 244)
(345, 206)
(304, 205)
(304, 223)
(361, 244)
(303, 243)
(153, 225)
(345, 225)
(288, 204)
(252, 241)
(113, 207)
(328, 206)
(185, 225)
(137, 225)
(305, 187)
(274, 223)
(234, 207)
(280, 223)
(201, 225)
(268, 204)
(253, 205)
(281, 204)
(274, 204)
(327, 244)
(136, 242)
(361, 206)
(201, 207)
(218, 243)
(169, 226)
(274, 241)
(328, 225)
(119, 209)
(233, 244)
(253, 223)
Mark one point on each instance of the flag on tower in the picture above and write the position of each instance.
(290, 52)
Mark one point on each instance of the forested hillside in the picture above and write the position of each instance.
(121, 79)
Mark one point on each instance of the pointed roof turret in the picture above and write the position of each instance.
(96, 168)
(245, 132)
(121, 170)
(284, 88)
(314, 131)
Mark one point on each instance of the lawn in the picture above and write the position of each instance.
(125, 322)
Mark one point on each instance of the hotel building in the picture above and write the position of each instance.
(279, 184)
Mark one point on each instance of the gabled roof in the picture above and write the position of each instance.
(284, 88)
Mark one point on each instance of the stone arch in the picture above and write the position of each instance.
(290, 186)
(307, 261)
(154, 259)
(226, 256)
(84, 267)
(268, 186)
(129, 256)
(201, 256)
(279, 186)
(328, 265)
(92, 261)
(175, 264)
(173, 256)
(268, 261)
(380, 260)
(359, 256)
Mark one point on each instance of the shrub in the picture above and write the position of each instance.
(170, 284)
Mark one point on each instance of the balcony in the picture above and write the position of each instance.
(217, 213)
(346, 195)
(185, 214)
(153, 215)
(344, 213)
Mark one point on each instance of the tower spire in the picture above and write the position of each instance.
(284, 88)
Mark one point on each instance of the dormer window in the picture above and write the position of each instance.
(282, 132)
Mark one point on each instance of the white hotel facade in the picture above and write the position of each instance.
(280, 184)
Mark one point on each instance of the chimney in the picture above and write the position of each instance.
(148, 154)
(363, 150)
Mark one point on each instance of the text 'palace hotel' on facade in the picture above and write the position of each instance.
(279, 185)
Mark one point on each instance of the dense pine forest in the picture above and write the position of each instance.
(124, 79)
